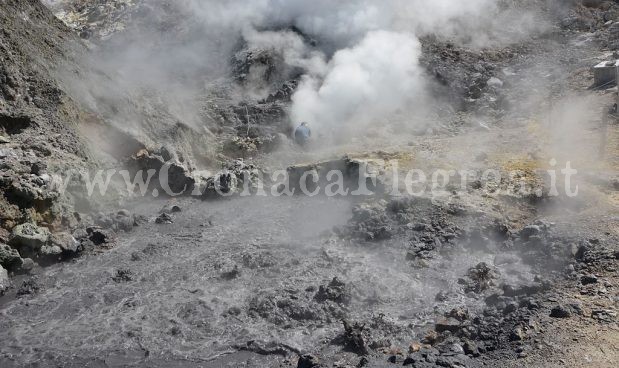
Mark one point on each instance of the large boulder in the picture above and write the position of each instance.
(9, 257)
(29, 236)
(65, 241)
(49, 254)
(353, 170)
(178, 179)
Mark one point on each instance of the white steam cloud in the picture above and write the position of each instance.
(372, 79)
(366, 65)
(362, 67)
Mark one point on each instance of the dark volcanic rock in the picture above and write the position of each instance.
(231, 273)
(123, 275)
(4, 280)
(336, 291)
(30, 236)
(100, 236)
(470, 348)
(480, 278)
(448, 324)
(561, 311)
(164, 218)
(28, 287)
(588, 279)
(604, 315)
(354, 338)
(9, 257)
(308, 361)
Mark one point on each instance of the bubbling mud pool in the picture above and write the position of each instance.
(225, 273)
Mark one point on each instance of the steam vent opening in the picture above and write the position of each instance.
(292, 184)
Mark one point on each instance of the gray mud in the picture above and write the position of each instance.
(224, 274)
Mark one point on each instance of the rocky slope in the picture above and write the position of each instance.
(40, 130)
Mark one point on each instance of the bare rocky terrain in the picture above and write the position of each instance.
(468, 276)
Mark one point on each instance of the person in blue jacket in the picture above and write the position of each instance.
(302, 134)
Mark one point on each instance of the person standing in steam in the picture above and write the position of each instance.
(302, 134)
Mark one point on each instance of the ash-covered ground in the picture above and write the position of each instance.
(482, 271)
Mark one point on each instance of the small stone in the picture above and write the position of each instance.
(234, 311)
(456, 348)
(99, 236)
(530, 231)
(363, 362)
(38, 168)
(231, 274)
(80, 234)
(470, 348)
(431, 358)
(588, 279)
(510, 308)
(336, 291)
(4, 140)
(308, 361)
(448, 324)
(576, 309)
(381, 344)
(414, 347)
(461, 314)
(604, 315)
(170, 208)
(518, 334)
(443, 296)
(560, 311)
(430, 338)
(411, 360)
(65, 241)
(125, 223)
(29, 287)
(123, 275)
(355, 338)
(103, 220)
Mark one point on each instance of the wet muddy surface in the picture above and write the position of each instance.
(260, 275)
